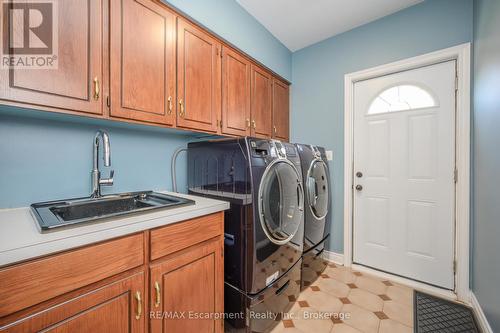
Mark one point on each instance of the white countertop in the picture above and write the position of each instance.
(20, 239)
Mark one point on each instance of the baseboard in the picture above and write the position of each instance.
(480, 317)
(337, 258)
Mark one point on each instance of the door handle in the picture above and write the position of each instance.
(359, 188)
(311, 191)
(170, 106)
(97, 89)
(158, 294)
(139, 305)
(181, 112)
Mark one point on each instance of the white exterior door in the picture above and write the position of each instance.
(404, 166)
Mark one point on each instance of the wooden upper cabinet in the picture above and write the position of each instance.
(281, 110)
(235, 93)
(198, 78)
(190, 281)
(142, 61)
(72, 85)
(261, 102)
(111, 308)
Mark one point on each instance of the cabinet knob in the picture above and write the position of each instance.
(275, 130)
(254, 124)
(248, 123)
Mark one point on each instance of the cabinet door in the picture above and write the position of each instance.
(117, 307)
(142, 61)
(235, 93)
(187, 285)
(198, 78)
(281, 110)
(261, 103)
(76, 82)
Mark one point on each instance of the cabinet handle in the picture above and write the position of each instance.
(181, 112)
(158, 294)
(170, 106)
(275, 130)
(248, 123)
(254, 124)
(97, 90)
(139, 305)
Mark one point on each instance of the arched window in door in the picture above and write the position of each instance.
(402, 98)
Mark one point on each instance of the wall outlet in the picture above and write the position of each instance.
(329, 155)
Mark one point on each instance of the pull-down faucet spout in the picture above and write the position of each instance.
(97, 181)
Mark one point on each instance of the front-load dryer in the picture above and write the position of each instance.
(262, 181)
(316, 179)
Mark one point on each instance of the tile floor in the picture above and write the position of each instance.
(343, 300)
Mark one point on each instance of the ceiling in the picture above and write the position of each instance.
(300, 23)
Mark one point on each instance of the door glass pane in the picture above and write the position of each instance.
(281, 206)
(401, 98)
(317, 189)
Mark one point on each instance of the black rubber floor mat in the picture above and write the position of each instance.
(434, 314)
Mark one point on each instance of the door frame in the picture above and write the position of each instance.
(461, 54)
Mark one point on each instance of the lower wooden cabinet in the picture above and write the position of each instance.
(103, 287)
(116, 307)
(187, 291)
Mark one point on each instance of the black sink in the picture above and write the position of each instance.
(57, 214)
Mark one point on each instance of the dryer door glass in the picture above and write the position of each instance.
(281, 202)
(317, 189)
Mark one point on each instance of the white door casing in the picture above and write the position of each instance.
(462, 54)
(404, 215)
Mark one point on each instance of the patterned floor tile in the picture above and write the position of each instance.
(361, 319)
(399, 312)
(400, 294)
(333, 287)
(370, 284)
(353, 302)
(344, 328)
(391, 326)
(366, 300)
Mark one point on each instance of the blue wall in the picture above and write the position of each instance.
(233, 23)
(318, 74)
(45, 156)
(486, 176)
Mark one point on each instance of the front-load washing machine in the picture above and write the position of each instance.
(262, 181)
(316, 179)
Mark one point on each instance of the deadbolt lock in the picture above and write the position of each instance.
(359, 174)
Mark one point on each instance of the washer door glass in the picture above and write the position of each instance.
(317, 189)
(281, 202)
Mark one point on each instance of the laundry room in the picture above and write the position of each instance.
(249, 166)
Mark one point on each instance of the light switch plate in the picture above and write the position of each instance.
(329, 155)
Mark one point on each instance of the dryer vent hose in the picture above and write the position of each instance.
(172, 167)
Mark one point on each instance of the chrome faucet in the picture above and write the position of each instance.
(97, 182)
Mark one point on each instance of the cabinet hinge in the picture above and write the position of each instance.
(108, 101)
(455, 175)
(454, 267)
(456, 82)
(220, 123)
